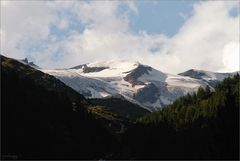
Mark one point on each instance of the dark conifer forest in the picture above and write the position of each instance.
(39, 123)
(204, 125)
(41, 118)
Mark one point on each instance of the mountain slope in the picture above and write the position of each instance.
(202, 126)
(120, 106)
(137, 83)
(42, 118)
(211, 78)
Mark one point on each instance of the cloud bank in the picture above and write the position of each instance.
(62, 34)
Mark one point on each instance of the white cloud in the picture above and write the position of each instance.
(104, 15)
(203, 42)
(24, 23)
(63, 24)
(4, 3)
(230, 56)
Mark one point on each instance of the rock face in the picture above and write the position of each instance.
(149, 93)
(133, 75)
(138, 83)
(26, 62)
(211, 78)
(87, 69)
(79, 66)
(93, 69)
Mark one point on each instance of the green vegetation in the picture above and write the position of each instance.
(113, 122)
(120, 106)
(42, 118)
(50, 83)
(200, 126)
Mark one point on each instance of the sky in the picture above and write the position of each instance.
(170, 35)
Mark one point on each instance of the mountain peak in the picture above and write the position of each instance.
(116, 67)
(26, 62)
(116, 63)
(134, 81)
(207, 76)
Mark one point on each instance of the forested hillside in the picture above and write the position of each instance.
(200, 126)
(121, 106)
(41, 118)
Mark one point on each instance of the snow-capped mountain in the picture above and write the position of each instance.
(211, 78)
(138, 83)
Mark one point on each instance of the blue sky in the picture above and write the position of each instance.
(156, 17)
(170, 35)
(161, 17)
